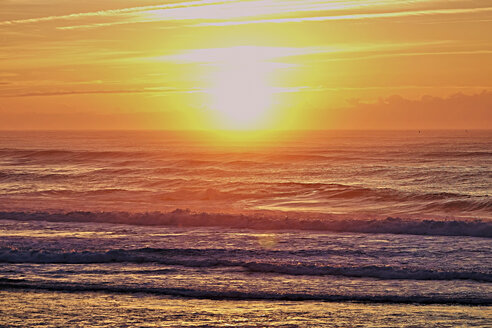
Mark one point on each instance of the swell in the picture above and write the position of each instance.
(454, 154)
(65, 154)
(172, 157)
(191, 185)
(445, 201)
(244, 295)
(187, 218)
(214, 258)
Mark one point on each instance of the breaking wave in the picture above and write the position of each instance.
(187, 218)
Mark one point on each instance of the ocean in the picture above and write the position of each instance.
(216, 229)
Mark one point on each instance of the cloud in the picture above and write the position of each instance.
(225, 13)
(86, 92)
(413, 54)
(262, 53)
(396, 14)
(91, 120)
(109, 13)
(458, 111)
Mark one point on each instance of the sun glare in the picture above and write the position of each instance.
(240, 93)
(241, 84)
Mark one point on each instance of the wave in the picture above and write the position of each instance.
(484, 204)
(63, 154)
(187, 218)
(75, 193)
(244, 295)
(6, 176)
(437, 200)
(454, 154)
(172, 157)
(181, 184)
(377, 272)
(203, 258)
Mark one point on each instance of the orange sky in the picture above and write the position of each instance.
(257, 64)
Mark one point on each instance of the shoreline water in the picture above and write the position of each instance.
(92, 309)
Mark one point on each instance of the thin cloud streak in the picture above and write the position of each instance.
(349, 17)
(157, 91)
(112, 12)
(86, 92)
(411, 54)
(387, 87)
(270, 54)
(223, 13)
(294, 89)
(219, 23)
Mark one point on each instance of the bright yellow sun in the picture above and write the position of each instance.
(240, 94)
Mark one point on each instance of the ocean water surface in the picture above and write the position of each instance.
(291, 229)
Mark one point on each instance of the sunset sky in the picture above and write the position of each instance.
(257, 64)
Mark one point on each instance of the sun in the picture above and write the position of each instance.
(239, 87)
(240, 94)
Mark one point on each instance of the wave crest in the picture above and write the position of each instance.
(187, 218)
